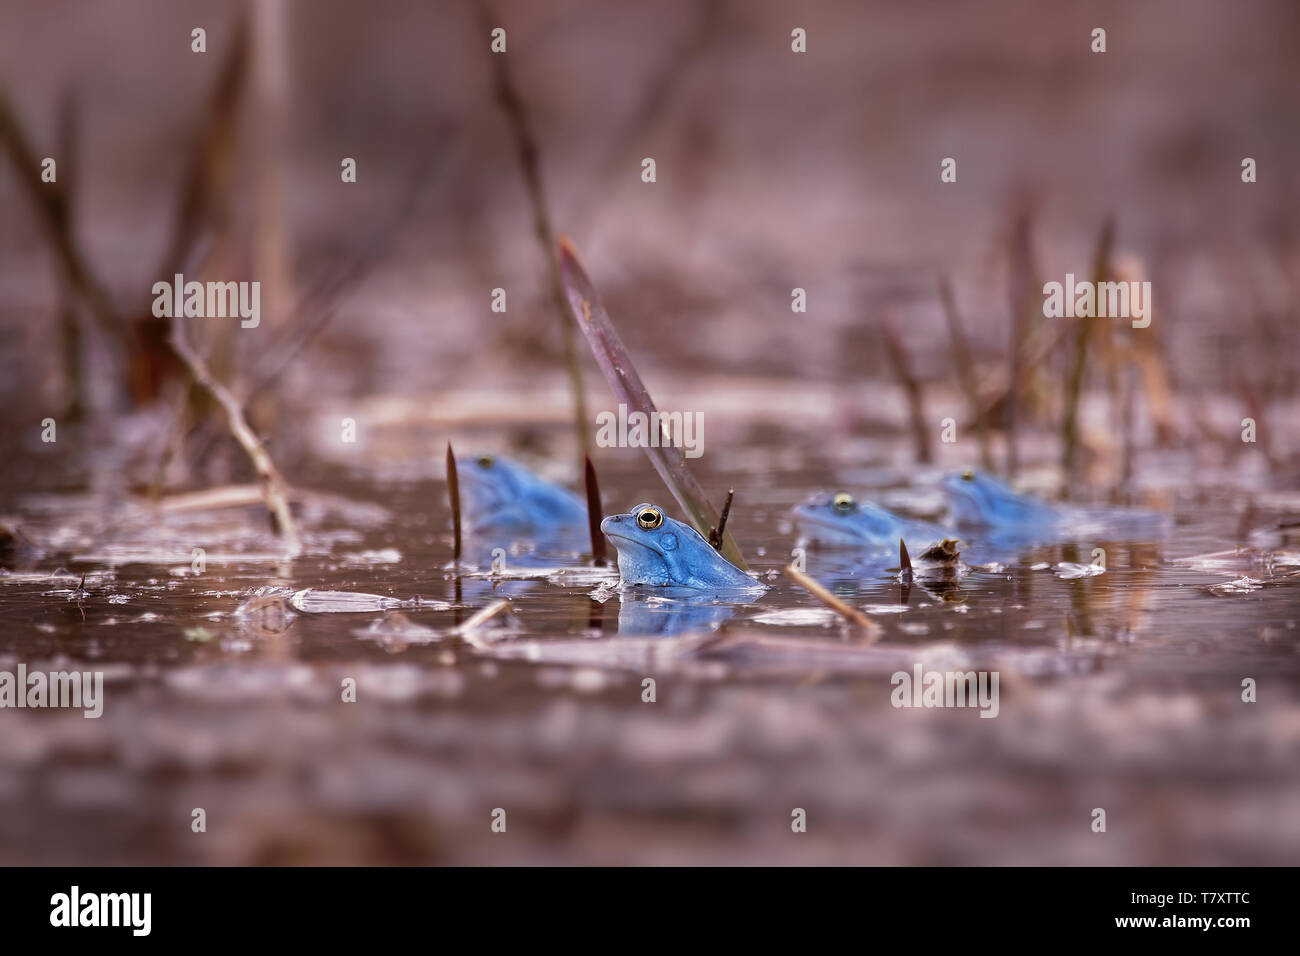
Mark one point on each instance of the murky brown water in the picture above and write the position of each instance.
(1119, 691)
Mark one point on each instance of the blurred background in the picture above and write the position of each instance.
(775, 170)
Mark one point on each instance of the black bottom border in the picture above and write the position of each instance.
(334, 904)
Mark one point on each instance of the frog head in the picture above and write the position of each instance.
(977, 499)
(840, 519)
(657, 550)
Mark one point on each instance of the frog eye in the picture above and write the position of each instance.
(844, 503)
(968, 475)
(650, 518)
(485, 461)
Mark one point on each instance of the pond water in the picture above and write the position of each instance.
(225, 686)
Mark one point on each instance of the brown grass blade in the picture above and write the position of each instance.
(594, 512)
(453, 491)
(613, 358)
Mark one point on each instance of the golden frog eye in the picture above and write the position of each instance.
(650, 518)
(968, 475)
(485, 461)
(843, 503)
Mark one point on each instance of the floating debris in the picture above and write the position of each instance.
(266, 613)
(1242, 585)
(115, 556)
(945, 552)
(1068, 570)
(1229, 560)
(370, 558)
(470, 630)
(396, 630)
(312, 601)
(798, 617)
(577, 576)
(54, 577)
(638, 654)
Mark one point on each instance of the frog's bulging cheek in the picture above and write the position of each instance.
(640, 565)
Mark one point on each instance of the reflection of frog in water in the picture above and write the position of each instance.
(669, 616)
(500, 495)
(843, 521)
(661, 551)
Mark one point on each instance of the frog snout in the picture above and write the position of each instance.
(608, 524)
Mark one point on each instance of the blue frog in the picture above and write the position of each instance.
(661, 551)
(983, 502)
(1003, 521)
(500, 495)
(841, 520)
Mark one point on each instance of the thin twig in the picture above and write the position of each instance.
(274, 487)
(849, 613)
(715, 534)
(469, 630)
